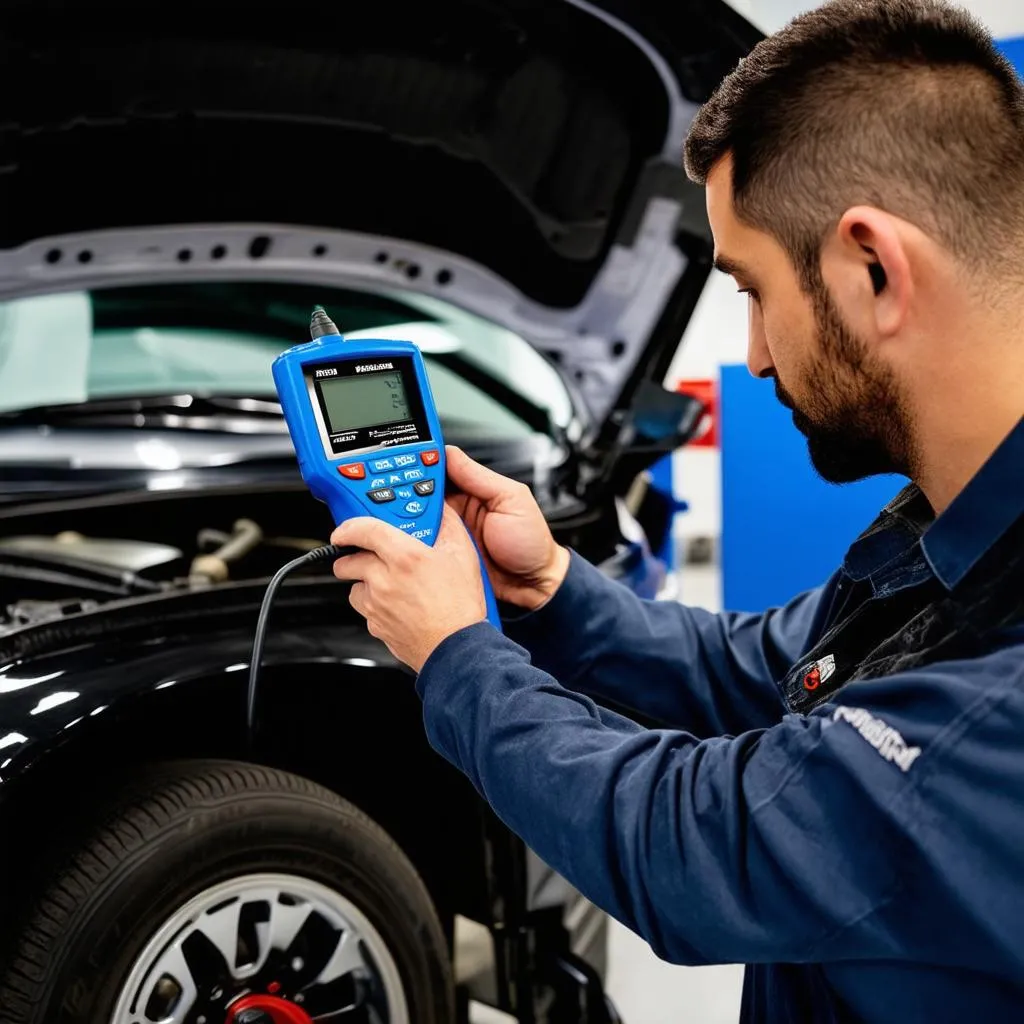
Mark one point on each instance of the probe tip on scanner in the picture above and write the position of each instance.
(321, 324)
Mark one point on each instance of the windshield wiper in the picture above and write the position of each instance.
(190, 411)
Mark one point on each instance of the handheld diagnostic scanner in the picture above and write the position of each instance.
(366, 431)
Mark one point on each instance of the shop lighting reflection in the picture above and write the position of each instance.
(168, 481)
(9, 684)
(54, 700)
(157, 454)
(12, 739)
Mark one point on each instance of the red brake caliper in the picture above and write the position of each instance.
(281, 1011)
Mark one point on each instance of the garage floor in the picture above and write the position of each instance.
(647, 990)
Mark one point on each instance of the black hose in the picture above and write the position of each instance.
(327, 552)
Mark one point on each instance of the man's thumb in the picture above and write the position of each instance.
(472, 478)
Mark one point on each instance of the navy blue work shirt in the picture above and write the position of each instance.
(836, 798)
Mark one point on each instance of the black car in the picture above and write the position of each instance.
(496, 180)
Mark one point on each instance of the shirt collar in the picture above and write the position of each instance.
(980, 514)
(891, 537)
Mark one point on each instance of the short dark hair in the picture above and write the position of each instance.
(906, 105)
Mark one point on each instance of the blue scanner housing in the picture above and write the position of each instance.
(366, 432)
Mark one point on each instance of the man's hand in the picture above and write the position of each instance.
(525, 564)
(411, 595)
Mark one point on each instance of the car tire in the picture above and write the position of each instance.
(186, 830)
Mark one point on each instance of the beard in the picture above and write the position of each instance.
(851, 409)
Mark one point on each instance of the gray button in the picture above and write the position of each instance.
(381, 495)
(424, 487)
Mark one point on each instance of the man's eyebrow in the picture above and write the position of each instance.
(732, 267)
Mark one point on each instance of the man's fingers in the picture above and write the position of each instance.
(358, 598)
(457, 503)
(372, 535)
(452, 529)
(355, 567)
(474, 479)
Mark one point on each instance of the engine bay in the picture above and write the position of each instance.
(69, 556)
(142, 549)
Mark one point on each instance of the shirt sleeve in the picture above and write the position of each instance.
(778, 845)
(676, 665)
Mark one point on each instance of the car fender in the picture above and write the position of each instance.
(334, 706)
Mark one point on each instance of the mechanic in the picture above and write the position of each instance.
(834, 794)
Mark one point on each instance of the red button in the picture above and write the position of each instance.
(354, 471)
(430, 458)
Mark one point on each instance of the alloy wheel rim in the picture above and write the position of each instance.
(276, 935)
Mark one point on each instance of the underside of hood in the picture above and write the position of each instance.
(535, 142)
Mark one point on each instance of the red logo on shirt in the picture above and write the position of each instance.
(820, 672)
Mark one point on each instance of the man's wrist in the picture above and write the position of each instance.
(551, 579)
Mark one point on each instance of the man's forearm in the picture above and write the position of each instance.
(680, 666)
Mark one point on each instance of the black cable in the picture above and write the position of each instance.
(325, 553)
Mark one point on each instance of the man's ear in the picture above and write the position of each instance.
(868, 269)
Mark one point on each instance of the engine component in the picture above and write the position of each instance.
(32, 613)
(134, 556)
(214, 568)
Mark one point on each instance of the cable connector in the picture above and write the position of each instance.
(320, 324)
(329, 552)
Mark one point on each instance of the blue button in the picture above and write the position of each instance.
(394, 478)
(379, 465)
(414, 508)
(404, 492)
(378, 481)
(405, 460)
(414, 474)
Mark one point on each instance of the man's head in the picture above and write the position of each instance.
(863, 166)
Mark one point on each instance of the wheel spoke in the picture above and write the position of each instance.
(286, 921)
(278, 932)
(220, 926)
(174, 965)
(346, 958)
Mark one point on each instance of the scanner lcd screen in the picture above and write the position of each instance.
(369, 400)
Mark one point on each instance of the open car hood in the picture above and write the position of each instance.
(520, 158)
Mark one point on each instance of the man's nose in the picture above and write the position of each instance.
(759, 359)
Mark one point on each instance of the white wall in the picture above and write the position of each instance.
(1004, 18)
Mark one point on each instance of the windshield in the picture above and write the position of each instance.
(220, 339)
